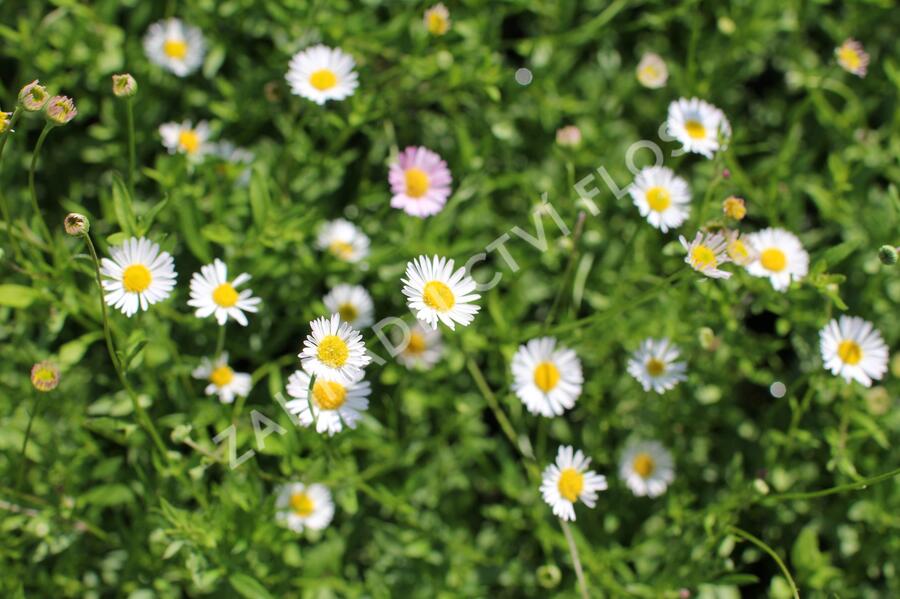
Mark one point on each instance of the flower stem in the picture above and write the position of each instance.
(860, 484)
(220, 342)
(34, 201)
(142, 416)
(31, 415)
(4, 207)
(759, 543)
(576, 237)
(129, 115)
(573, 551)
(505, 425)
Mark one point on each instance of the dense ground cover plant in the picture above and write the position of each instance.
(658, 364)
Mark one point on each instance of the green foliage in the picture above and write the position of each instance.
(432, 497)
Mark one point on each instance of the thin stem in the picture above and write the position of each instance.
(129, 114)
(220, 342)
(860, 484)
(34, 408)
(34, 201)
(505, 425)
(573, 551)
(110, 347)
(759, 543)
(579, 229)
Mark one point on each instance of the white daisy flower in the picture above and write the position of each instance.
(647, 468)
(852, 348)
(332, 405)
(186, 139)
(137, 274)
(568, 481)
(547, 378)
(652, 72)
(423, 349)
(779, 255)
(175, 46)
(223, 381)
(653, 365)
(304, 506)
(661, 196)
(698, 125)
(344, 240)
(738, 251)
(353, 303)
(212, 293)
(321, 73)
(706, 252)
(434, 292)
(334, 351)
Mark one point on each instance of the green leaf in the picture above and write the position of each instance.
(17, 296)
(248, 587)
(146, 221)
(123, 205)
(72, 352)
(107, 495)
(218, 233)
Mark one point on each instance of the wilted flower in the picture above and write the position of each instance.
(33, 96)
(568, 136)
(437, 19)
(60, 110)
(124, 85)
(852, 58)
(76, 224)
(734, 207)
(45, 376)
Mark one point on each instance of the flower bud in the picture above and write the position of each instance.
(60, 110)
(45, 376)
(33, 96)
(887, 254)
(124, 85)
(569, 135)
(76, 224)
(734, 207)
(4, 121)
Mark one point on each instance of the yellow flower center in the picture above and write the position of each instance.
(416, 343)
(348, 312)
(773, 259)
(649, 74)
(643, 464)
(44, 378)
(655, 367)
(734, 208)
(176, 49)
(702, 257)
(571, 483)
(225, 295)
(189, 141)
(416, 182)
(329, 395)
(546, 376)
(323, 79)
(850, 58)
(302, 504)
(659, 198)
(221, 376)
(849, 352)
(136, 278)
(341, 249)
(437, 24)
(333, 351)
(695, 129)
(737, 251)
(438, 296)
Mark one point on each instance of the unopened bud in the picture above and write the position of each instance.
(726, 174)
(33, 96)
(887, 254)
(60, 110)
(124, 85)
(708, 339)
(45, 376)
(4, 121)
(569, 135)
(76, 224)
(734, 207)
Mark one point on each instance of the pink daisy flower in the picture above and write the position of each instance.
(420, 182)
